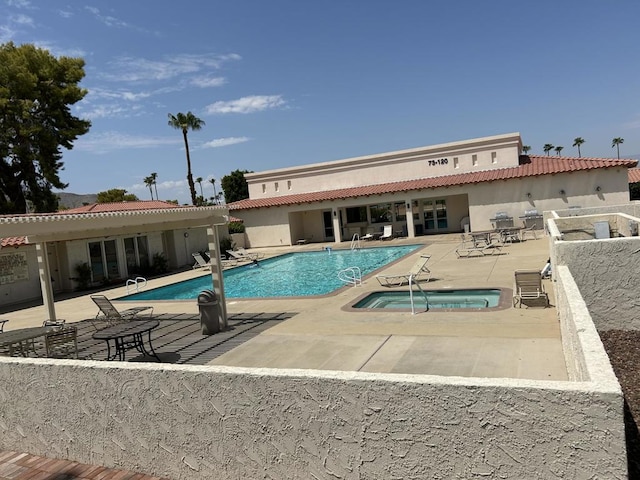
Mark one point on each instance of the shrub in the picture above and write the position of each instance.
(83, 276)
(225, 244)
(236, 227)
(159, 263)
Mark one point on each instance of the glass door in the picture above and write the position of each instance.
(435, 215)
(103, 259)
(328, 225)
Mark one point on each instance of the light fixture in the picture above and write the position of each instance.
(408, 206)
(562, 192)
(528, 195)
(598, 188)
(186, 234)
(335, 213)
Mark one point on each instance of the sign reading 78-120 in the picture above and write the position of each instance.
(440, 161)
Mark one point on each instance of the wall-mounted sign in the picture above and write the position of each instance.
(440, 161)
(13, 267)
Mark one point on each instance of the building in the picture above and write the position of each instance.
(422, 191)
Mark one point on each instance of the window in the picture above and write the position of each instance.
(400, 210)
(136, 251)
(474, 160)
(288, 184)
(455, 162)
(104, 260)
(380, 213)
(275, 185)
(441, 213)
(356, 214)
(494, 157)
(435, 214)
(264, 188)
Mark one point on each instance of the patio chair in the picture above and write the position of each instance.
(528, 231)
(62, 343)
(387, 232)
(419, 272)
(236, 255)
(528, 286)
(200, 261)
(111, 315)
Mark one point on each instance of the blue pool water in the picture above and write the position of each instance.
(290, 275)
(471, 298)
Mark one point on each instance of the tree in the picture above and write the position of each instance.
(148, 181)
(547, 148)
(36, 93)
(526, 149)
(577, 142)
(186, 122)
(558, 150)
(235, 186)
(616, 142)
(154, 177)
(116, 195)
(199, 182)
(215, 197)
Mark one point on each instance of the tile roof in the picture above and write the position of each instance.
(530, 166)
(12, 241)
(122, 206)
(634, 175)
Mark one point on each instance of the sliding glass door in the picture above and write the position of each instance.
(103, 257)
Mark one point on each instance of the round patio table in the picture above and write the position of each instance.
(127, 335)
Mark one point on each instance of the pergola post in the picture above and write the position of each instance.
(216, 272)
(335, 218)
(411, 233)
(45, 280)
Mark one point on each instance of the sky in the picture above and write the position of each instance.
(282, 83)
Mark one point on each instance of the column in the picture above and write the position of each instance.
(411, 233)
(337, 232)
(216, 272)
(45, 280)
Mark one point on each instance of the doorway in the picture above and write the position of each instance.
(103, 258)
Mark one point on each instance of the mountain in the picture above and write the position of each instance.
(73, 200)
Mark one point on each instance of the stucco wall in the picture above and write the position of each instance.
(607, 273)
(217, 422)
(22, 290)
(266, 227)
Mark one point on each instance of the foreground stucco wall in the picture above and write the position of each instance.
(607, 272)
(217, 422)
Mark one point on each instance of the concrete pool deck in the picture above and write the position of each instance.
(513, 343)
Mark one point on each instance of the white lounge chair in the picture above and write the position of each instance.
(250, 255)
(528, 286)
(387, 232)
(243, 256)
(419, 272)
(200, 261)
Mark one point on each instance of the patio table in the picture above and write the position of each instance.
(22, 340)
(128, 335)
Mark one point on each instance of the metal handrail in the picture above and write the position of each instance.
(426, 299)
(355, 242)
(136, 283)
(351, 275)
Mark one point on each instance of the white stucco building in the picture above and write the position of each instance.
(442, 187)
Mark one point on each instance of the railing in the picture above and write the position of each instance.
(136, 283)
(351, 275)
(355, 242)
(424, 294)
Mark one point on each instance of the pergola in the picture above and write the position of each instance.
(57, 227)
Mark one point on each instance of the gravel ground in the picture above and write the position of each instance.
(623, 347)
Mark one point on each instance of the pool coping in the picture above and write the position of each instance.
(505, 302)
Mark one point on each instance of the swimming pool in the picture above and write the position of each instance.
(289, 275)
(443, 299)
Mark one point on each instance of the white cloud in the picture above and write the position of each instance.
(206, 82)
(110, 141)
(250, 104)
(19, 3)
(108, 20)
(21, 20)
(133, 69)
(65, 13)
(224, 142)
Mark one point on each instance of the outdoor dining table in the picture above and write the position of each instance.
(22, 341)
(481, 238)
(508, 234)
(128, 335)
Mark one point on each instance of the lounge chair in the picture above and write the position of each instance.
(250, 255)
(243, 257)
(419, 272)
(2, 322)
(528, 286)
(387, 232)
(110, 314)
(200, 261)
(470, 247)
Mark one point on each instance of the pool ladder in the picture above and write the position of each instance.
(424, 294)
(355, 242)
(351, 275)
(135, 283)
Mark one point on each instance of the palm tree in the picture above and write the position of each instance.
(547, 148)
(558, 150)
(148, 181)
(525, 149)
(577, 142)
(199, 182)
(616, 143)
(154, 176)
(215, 195)
(186, 122)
